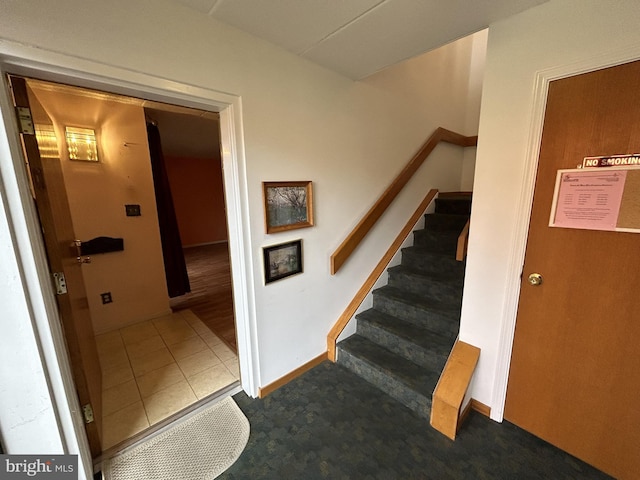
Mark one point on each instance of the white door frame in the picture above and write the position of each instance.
(525, 204)
(25, 229)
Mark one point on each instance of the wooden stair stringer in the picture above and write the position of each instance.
(452, 387)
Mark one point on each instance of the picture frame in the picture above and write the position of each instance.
(287, 205)
(282, 260)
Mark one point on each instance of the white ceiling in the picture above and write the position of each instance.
(359, 37)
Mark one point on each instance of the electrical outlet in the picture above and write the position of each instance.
(132, 210)
(106, 298)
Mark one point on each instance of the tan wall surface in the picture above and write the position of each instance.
(97, 195)
(198, 198)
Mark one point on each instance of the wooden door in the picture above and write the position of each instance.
(55, 217)
(575, 369)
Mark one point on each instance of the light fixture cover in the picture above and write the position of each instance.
(47, 141)
(81, 143)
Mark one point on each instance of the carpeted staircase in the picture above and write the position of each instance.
(401, 344)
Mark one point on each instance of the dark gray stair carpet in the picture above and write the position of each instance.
(405, 381)
(444, 286)
(402, 343)
(421, 346)
(445, 221)
(458, 205)
(421, 311)
(421, 258)
(437, 241)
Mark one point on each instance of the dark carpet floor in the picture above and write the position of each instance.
(330, 424)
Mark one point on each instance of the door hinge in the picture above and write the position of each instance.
(60, 283)
(87, 412)
(25, 120)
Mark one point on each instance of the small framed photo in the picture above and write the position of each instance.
(287, 205)
(282, 260)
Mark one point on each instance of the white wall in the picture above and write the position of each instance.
(562, 35)
(474, 98)
(300, 122)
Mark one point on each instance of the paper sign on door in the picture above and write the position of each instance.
(588, 199)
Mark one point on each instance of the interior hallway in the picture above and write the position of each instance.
(211, 297)
(153, 369)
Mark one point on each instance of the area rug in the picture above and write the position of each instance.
(201, 447)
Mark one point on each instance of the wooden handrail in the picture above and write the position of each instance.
(350, 311)
(463, 242)
(346, 248)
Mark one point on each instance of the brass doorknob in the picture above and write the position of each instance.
(535, 279)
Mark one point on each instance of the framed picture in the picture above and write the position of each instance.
(287, 205)
(282, 260)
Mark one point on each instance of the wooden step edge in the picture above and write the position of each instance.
(452, 387)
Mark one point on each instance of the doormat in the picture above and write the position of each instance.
(202, 447)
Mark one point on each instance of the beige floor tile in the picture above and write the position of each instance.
(198, 362)
(188, 347)
(145, 346)
(177, 334)
(211, 338)
(223, 352)
(119, 396)
(108, 342)
(123, 424)
(210, 380)
(199, 327)
(169, 401)
(189, 316)
(159, 379)
(168, 321)
(116, 375)
(116, 358)
(234, 367)
(151, 361)
(138, 332)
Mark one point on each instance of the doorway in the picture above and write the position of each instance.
(147, 353)
(574, 369)
(192, 157)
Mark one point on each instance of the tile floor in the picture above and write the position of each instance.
(153, 369)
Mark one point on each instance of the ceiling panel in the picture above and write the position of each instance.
(401, 29)
(203, 6)
(360, 37)
(294, 25)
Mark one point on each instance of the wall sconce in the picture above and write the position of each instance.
(81, 143)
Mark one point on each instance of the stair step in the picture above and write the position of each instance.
(437, 241)
(405, 381)
(445, 221)
(418, 345)
(402, 344)
(432, 314)
(457, 205)
(444, 286)
(422, 259)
